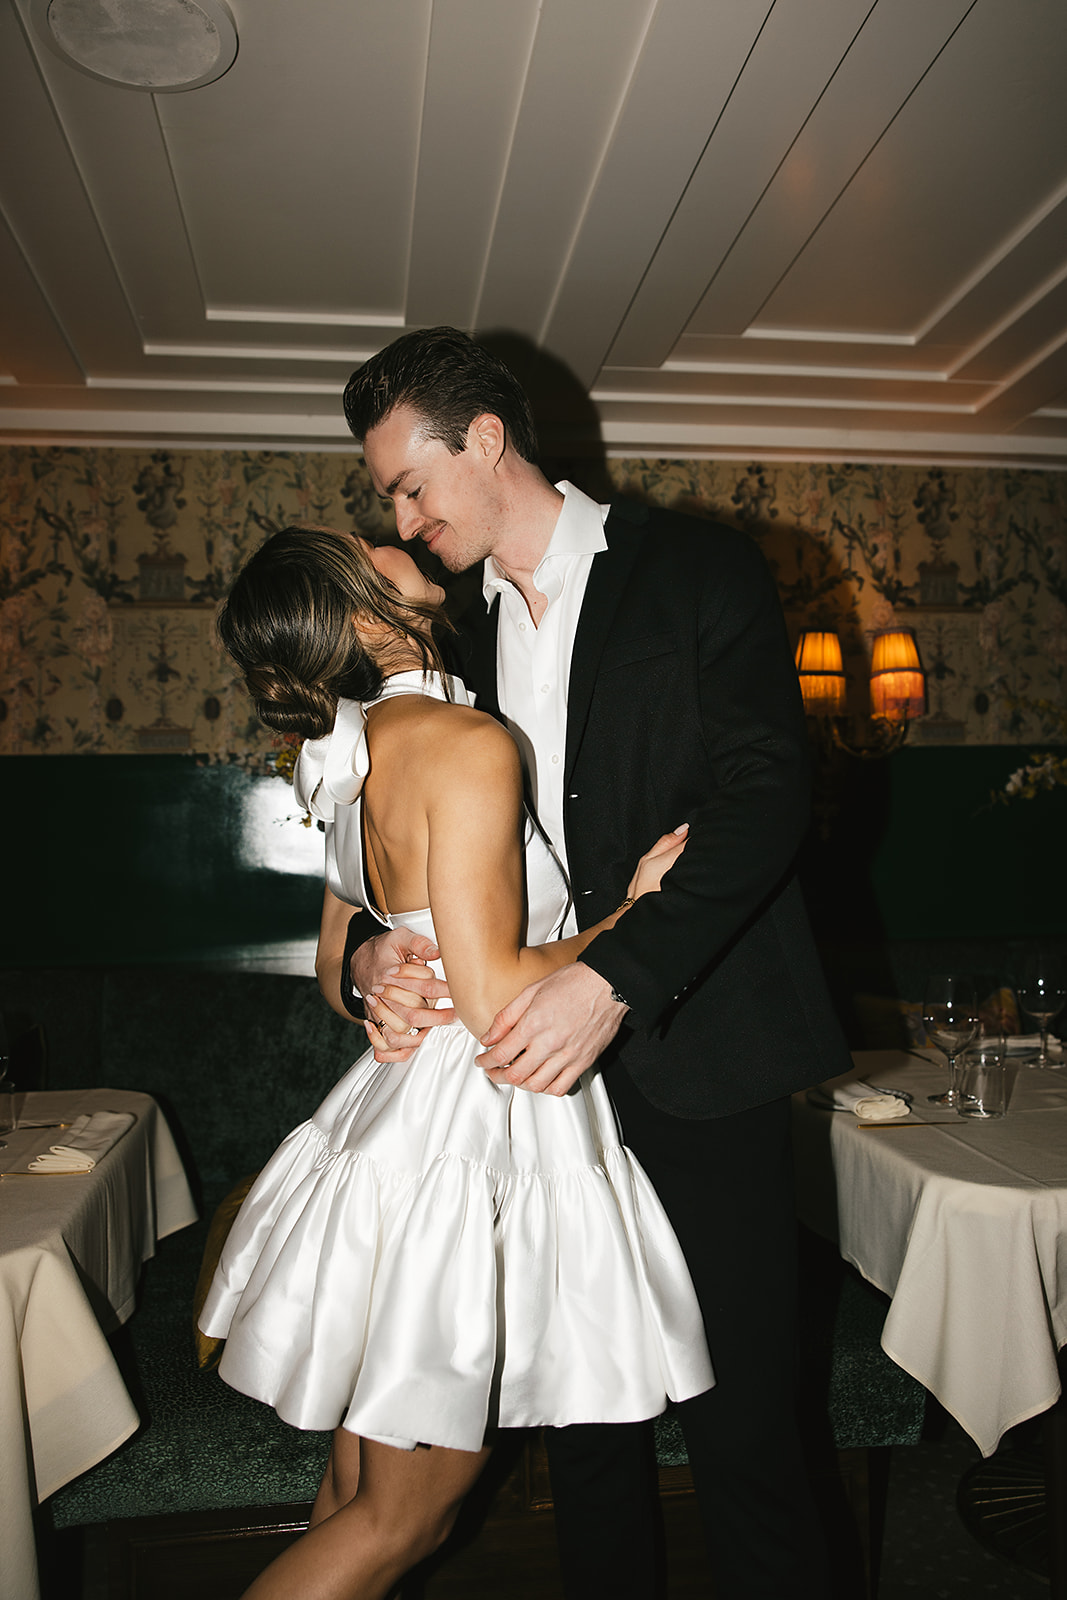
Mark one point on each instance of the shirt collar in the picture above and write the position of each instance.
(579, 531)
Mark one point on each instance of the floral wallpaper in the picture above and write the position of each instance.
(112, 563)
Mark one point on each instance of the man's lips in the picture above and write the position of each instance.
(429, 538)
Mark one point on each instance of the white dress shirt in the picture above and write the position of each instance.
(534, 661)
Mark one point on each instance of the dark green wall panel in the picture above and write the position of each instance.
(124, 859)
(120, 859)
(915, 850)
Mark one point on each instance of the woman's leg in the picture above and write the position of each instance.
(341, 1477)
(379, 1511)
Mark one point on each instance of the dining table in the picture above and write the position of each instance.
(962, 1222)
(71, 1249)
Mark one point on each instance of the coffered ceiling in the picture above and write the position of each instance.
(806, 228)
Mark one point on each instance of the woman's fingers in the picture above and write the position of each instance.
(384, 1017)
(387, 1046)
(670, 841)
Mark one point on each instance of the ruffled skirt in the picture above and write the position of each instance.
(432, 1255)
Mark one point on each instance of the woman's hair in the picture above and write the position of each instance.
(448, 379)
(287, 622)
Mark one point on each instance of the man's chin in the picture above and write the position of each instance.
(455, 561)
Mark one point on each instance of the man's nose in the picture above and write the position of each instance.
(408, 520)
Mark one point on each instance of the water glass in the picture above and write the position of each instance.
(982, 1080)
(7, 1108)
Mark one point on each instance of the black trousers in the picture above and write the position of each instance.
(727, 1187)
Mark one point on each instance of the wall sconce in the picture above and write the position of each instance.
(822, 674)
(898, 688)
(898, 683)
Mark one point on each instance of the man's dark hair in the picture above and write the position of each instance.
(448, 379)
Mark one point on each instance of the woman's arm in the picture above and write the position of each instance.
(329, 954)
(475, 876)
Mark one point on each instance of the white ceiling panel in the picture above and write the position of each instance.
(32, 347)
(689, 60)
(762, 114)
(904, 238)
(891, 54)
(479, 55)
(295, 171)
(829, 228)
(577, 75)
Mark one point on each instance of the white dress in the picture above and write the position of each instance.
(432, 1254)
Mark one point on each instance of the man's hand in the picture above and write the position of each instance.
(398, 990)
(544, 1040)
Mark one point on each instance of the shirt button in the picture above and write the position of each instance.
(545, 688)
(522, 627)
(555, 761)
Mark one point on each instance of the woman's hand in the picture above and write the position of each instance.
(399, 992)
(655, 862)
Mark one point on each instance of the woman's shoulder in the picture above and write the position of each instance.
(446, 733)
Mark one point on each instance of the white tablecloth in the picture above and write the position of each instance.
(964, 1224)
(71, 1249)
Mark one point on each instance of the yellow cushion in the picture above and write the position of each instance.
(209, 1351)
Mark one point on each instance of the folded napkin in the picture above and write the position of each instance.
(88, 1139)
(1028, 1041)
(866, 1100)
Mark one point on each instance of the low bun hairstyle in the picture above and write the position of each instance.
(287, 623)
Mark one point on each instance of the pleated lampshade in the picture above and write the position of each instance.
(822, 674)
(898, 683)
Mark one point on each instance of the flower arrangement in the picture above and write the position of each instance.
(279, 762)
(1040, 772)
(1044, 770)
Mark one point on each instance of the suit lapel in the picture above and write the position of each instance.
(477, 628)
(608, 577)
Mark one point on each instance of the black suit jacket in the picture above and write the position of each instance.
(684, 706)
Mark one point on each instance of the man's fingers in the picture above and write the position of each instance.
(554, 1076)
(398, 984)
(423, 1016)
(505, 1020)
(405, 1015)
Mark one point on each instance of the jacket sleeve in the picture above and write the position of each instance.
(356, 935)
(745, 831)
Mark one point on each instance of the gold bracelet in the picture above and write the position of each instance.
(632, 901)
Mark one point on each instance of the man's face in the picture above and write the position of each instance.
(447, 501)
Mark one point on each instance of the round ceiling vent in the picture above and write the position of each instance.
(158, 46)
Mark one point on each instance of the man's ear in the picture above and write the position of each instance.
(487, 437)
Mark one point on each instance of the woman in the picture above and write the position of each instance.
(431, 1256)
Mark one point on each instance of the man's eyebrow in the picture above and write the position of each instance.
(391, 488)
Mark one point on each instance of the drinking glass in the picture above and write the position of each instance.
(1042, 995)
(950, 1017)
(7, 1104)
(982, 1078)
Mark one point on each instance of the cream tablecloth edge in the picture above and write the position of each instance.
(952, 1342)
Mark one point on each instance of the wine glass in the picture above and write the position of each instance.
(1042, 995)
(7, 1103)
(950, 1017)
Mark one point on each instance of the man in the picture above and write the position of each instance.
(641, 661)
